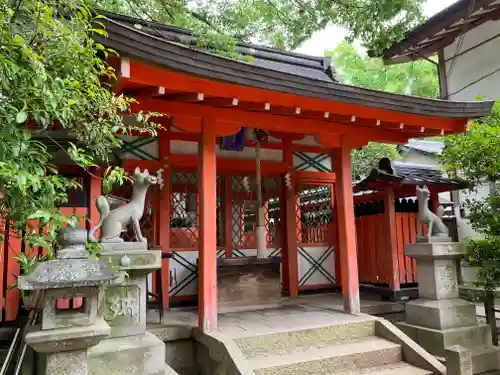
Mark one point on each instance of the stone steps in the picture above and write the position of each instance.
(279, 342)
(335, 358)
(346, 348)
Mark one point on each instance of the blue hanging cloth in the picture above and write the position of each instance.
(235, 142)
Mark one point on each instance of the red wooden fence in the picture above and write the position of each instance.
(373, 248)
(12, 246)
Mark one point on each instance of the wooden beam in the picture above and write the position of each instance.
(185, 97)
(430, 46)
(154, 76)
(428, 31)
(254, 106)
(442, 76)
(346, 232)
(221, 102)
(193, 124)
(207, 260)
(268, 121)
(123, 75)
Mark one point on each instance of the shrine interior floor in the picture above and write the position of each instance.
(300, 313)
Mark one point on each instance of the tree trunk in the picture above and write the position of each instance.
(489, 309)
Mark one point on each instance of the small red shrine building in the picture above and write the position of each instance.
(199, 211)
(386, 207)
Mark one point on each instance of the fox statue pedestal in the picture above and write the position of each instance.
(438, 319)
(130, 349)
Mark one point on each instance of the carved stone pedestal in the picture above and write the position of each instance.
(438, 319)
(66, 332)
(130, 349)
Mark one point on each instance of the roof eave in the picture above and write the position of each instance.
(194, 62)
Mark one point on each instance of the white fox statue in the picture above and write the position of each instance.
(113, 222)
(436, 227)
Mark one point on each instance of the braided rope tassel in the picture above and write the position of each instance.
(261, 225)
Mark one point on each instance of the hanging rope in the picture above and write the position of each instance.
(258, 177)
(260, 234)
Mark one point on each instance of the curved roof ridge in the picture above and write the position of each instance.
(189, 36)
(283, 78)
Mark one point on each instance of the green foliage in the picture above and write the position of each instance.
(365, 159)
(280, 23)
(475, 156)
(113, 177)
(51, 73)
(476, 153)
(356, 68)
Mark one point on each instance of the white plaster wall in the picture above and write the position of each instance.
(248, 153)
(309, 140)
(475, 63)
(316, 276)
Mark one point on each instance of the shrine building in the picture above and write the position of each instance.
(203, 214)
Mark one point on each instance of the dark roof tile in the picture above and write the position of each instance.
(407, 174)
(318, 68)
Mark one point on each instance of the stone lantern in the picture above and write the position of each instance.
(65, 334)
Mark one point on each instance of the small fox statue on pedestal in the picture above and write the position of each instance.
(436, 227)
(113, 222)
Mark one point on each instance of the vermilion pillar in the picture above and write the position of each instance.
(207, 260)
(347, 229)
(164, 220)
(390, 231)
(95, 192)
(290, 267)
(291, 241)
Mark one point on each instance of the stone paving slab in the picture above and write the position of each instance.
(265, 321)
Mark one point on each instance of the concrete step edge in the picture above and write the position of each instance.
(400, 368)
(466, 328)
(484, 350)
(370, 320)
(277, 341)
(307, 354)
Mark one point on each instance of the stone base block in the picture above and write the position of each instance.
(133, 355)
(67, 363)
(441, 314)
(67, 339)
(436, 341)
(485, 359)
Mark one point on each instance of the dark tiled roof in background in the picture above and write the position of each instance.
(407, 174)
(318, 68)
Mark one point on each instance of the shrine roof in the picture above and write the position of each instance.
(158, 49)
(426, 147)
(399, 173)
(319, 68)
(442, 30)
